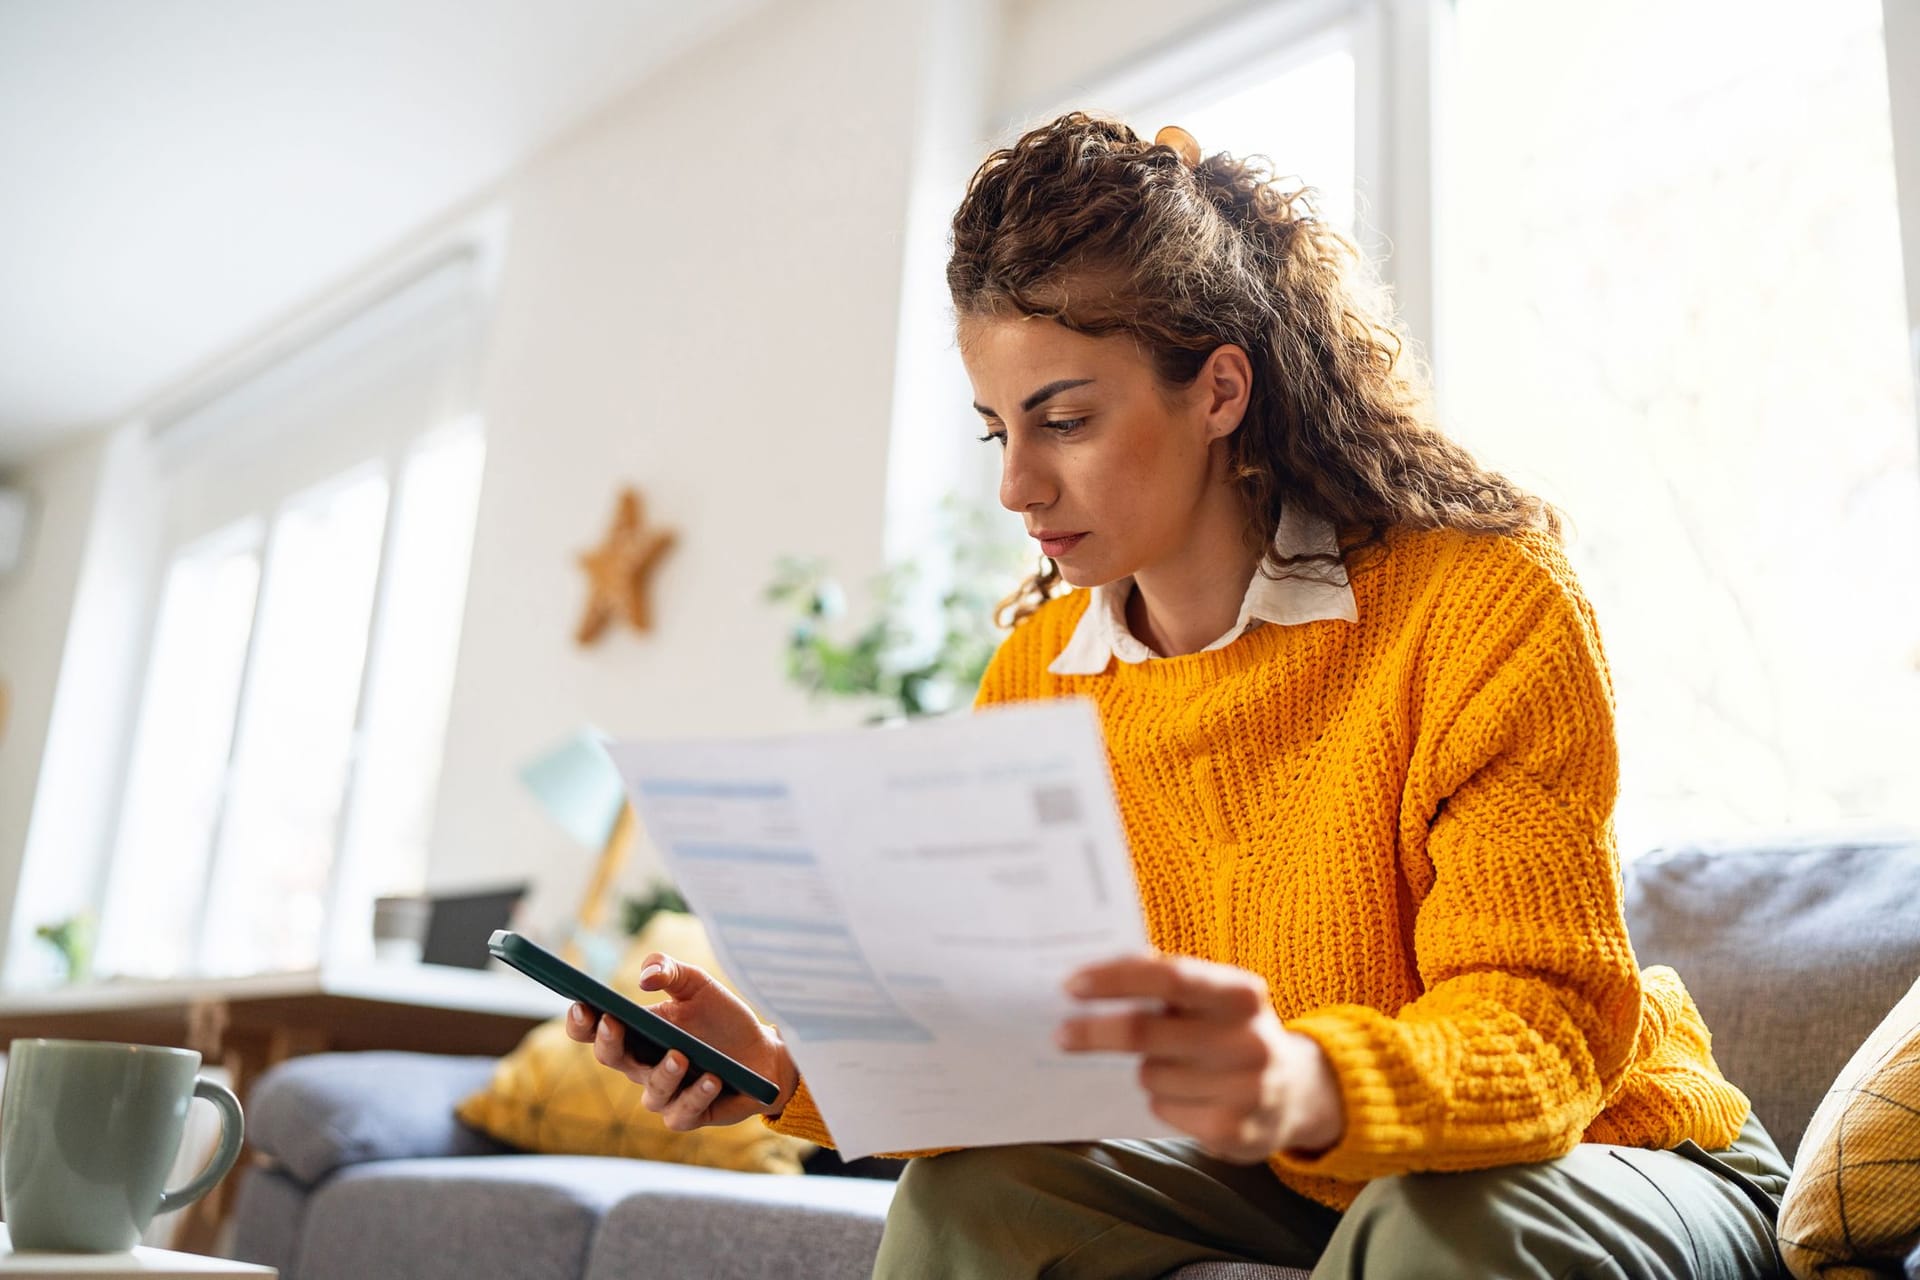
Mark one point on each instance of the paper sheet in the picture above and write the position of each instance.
(905, 903)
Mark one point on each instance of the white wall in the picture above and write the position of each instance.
(1902, 27)
(36, 602)
(703, 294)
(726, 337)
(1054, 51)
(750, 392)
(83, 759)
(700, 298)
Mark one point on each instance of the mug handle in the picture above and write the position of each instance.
(232, 1131)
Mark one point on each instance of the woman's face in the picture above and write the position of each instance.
(1108, 476)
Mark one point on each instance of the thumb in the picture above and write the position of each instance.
(680, 980)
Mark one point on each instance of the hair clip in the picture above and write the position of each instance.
(1181, 141)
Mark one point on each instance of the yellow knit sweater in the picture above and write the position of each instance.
(1405, 826)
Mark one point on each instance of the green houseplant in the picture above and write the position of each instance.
(886, 662)
(72, 940)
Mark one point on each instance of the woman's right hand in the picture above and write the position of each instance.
(702, 1007)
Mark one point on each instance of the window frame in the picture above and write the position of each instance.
(1404, 64)
(1393, 42)
(1900, 35)
(227, 462)
(1399, 50)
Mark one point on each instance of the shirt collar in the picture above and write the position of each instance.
(1311, 593)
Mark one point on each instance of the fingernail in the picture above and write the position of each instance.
(671, 1066)
(708, 1086)
(650, 971)
(1063, 1038)
(1079, 985)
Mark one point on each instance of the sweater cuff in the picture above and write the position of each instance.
(1386, 1124)
(801, 1118)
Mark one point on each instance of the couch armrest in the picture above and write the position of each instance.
(312, 1115)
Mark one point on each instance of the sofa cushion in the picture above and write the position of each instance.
(700, 1223)
(313, 1114)
(1854, 1201)
(268, 1207)
(528, 1217)
(552, 1095)
(1794, 952)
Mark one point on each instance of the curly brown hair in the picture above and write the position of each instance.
(1086, 223)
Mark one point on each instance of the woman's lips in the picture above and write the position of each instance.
(1056, 546)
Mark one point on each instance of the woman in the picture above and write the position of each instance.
(1361, 729)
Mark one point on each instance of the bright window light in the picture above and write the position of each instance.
(177, 774)
(266, 902)
(1301, 118)
(410, 683)
(1673, 306)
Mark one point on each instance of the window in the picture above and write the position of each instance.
(286, 751)
(1310, 84)
(1676, 312)
(181, 744)
(1654, 253)
(1298, 111)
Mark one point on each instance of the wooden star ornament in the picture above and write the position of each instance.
(619, 570)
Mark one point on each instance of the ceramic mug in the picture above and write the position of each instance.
(88, 1131)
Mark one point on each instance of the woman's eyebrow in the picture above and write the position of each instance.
(1041, 396)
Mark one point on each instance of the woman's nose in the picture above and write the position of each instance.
(1024, 483)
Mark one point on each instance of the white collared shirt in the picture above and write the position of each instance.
(1314, 592)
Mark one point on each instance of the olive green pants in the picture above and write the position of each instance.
(1135, 1208)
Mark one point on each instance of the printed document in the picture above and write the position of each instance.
(904, 903)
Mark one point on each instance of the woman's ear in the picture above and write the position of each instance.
(1226, 380)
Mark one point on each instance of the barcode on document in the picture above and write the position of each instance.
(1056, 806)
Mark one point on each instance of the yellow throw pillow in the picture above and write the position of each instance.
(1852, 1208)
(550, 1096)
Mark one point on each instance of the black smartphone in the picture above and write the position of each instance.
(649, 1035)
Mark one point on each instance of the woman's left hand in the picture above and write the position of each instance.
(1216, 1061)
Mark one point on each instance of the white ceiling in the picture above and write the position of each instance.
(174, 176)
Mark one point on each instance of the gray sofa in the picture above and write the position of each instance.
(1794, 952)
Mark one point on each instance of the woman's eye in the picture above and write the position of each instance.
(1063, 426)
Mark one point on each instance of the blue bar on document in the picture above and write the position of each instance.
(743, 853)
(894, 1030)
(715, 790)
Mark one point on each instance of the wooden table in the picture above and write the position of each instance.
(248, 1024)
(140, 1263)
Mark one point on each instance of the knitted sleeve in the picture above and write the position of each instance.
(1531, 998)
(801, 1118)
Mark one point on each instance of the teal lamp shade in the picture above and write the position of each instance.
(578, 787)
